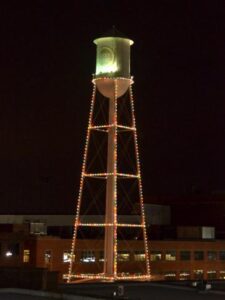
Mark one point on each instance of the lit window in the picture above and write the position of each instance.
(38, 228)
(123, 256)
(222, 275)
(212, 255)
(26, 256)
(185, 255)
(170, 255)
(139, 256)
(185, 275)
(156, 255)
(222, 255)
(67, 256)
(198, 274)
(87, 257)
(101, 256)
(211, 274)
(198, 255)
(170, 275)
(47, 256)
(65, 276)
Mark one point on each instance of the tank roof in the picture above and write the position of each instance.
(113, 32)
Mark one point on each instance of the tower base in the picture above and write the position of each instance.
(78, 278)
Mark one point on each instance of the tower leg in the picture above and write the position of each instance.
(110, 187)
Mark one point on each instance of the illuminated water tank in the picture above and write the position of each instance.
(112, 61)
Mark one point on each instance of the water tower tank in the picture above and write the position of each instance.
(113, 61)
(113, 55)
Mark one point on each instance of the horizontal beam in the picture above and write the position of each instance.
(107, 126)
(105, 175)
(110, 225)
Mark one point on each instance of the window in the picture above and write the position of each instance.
(67, 256)
(212, 255)
(170, 255)
(222, 274)
(101, 256)
(170, 275)
(87, 256)
(139, 256)
(198, 274)
(198, 255)
(38, 228)
(123, 256)
(222, 255)
(65, 276)
(185, 255)
(48, 256)
(26, 256)
(211, 274)
(185, 275)
(156, 255)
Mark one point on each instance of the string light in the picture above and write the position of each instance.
(140, 185)
(116, 127)
(126, 127)
(111, 174)
(81, 182)
(102, 276)
(128, 175)
(114, 78)
(110, 126)
(115, 185)
(110, 225)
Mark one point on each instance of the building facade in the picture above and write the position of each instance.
(170, 260)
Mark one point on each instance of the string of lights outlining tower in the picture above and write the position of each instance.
(110, 206)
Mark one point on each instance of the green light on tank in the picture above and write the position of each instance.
(113, 57)
(106, 61)
(112, 68)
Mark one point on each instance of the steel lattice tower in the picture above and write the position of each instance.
(110, 205)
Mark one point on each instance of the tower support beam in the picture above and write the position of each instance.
(110, 194)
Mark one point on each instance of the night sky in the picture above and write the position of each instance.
(47, 61)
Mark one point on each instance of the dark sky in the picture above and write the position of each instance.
(47, 61)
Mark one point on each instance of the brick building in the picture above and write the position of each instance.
(182, 245)
(177, 259)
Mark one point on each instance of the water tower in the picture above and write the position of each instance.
(110, 209)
